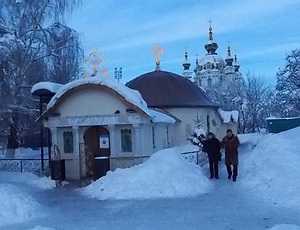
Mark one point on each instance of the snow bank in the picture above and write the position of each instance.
(272, 169)
(30, 179)
(164, 175)
(16, 205)
(285, 227)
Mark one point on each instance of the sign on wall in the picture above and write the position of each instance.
(104, 142)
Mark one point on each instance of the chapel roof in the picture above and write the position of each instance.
(162, 89)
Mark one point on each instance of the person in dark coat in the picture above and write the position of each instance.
(231, 144)
(212, 146)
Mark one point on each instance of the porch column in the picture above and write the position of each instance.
(76, 149)
(113, 140)
(54, 137)
(137, 139)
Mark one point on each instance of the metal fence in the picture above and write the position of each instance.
(22, 165)
(197, 157)
(33, 165)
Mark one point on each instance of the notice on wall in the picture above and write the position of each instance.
(104, 142)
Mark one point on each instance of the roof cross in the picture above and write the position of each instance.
(158, 51)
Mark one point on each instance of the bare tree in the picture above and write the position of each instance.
(256, 104)
(33, 48)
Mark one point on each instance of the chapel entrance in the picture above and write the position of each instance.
(97, 150)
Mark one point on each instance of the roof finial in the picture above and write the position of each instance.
(158, 52)
(186, 64)
(228, 51)
(186, 56)
(236, 64)
(210, 33)
(211, 45)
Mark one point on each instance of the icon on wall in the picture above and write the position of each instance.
(104, 142)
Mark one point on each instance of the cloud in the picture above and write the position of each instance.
(123, 29)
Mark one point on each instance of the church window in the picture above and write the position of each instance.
(126, 140)
(68, 141)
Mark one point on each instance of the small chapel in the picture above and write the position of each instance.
(97, 123)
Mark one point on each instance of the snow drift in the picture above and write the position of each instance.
(16, 205)
(30, 179)
(272, 169)
(164, 175)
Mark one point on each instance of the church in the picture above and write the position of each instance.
(213, 73)
(98, 124)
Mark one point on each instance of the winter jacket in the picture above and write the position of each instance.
(212, 147)
(231, 149)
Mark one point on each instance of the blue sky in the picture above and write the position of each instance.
(260, 32)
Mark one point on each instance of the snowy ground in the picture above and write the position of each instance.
(228, 205)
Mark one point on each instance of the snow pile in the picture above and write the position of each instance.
(164, 175)
(285, 227)
(272, 169)
(16, 206)
(30, 179)
(229, 116)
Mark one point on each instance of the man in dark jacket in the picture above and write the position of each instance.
(212, 146)
(231, 144)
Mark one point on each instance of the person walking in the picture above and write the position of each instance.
(212, 146)
(231, 144)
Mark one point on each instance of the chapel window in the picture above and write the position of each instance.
(68, 141)
(126, 140)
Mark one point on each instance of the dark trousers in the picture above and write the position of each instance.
(232, 172)
(214, 168)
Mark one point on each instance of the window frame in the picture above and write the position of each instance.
(68, 149)
(123, 140)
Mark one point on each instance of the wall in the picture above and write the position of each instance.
(89, 100)
(189, 116)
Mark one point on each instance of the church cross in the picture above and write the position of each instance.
(158, 52)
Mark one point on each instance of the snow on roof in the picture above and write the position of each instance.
(46, 85)
(229, 116)
(212, 58)
(132, 96)
(160, 117)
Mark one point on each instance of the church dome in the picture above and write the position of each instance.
(164, 89)
(212, 59)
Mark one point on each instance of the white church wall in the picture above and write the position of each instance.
(188, 117)
(90, 101)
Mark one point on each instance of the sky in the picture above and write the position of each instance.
(260, 32)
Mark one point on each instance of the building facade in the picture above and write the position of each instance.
(212, 71)
(98, 124)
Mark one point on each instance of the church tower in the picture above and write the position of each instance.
(187, 73)
(211, 45)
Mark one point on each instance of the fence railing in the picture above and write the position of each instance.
(197, 157)
(22, 164)
(34, 164)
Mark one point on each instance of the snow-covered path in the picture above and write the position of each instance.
(225, 207)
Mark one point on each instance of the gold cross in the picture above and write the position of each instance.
(158, 52)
